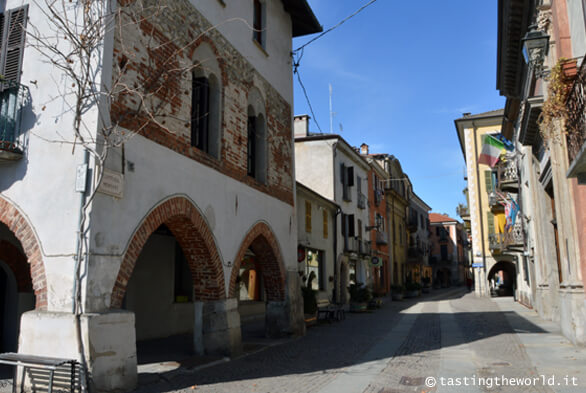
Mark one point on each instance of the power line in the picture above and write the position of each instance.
(335, 26)
(296, 71)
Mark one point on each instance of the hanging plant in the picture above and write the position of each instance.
(554, 108)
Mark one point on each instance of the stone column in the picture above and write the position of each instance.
(108, 339)
(220, 327)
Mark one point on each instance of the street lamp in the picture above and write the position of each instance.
(535, 47)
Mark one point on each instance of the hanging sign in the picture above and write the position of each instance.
(300, 254)
(375, 261)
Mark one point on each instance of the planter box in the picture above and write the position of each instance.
(358, 307)
(414, 293)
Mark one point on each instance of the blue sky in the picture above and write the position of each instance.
(401, 73)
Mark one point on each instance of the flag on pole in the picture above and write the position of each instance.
(491, 150)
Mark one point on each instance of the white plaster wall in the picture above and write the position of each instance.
(315, 239)
(230, 208)
(577, 27)
(314, 166)
(42, 184)
(151, 291)
(234, 21)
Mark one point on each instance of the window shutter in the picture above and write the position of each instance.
(344, 218)
(488, 180)
(343, 173)
(490, 222)
(359, 228)
(350, 176)
(307, 216)
(251, 147)
(359, 185)
(200, 109)
(325, 223)
(351, 231)
(13, 36)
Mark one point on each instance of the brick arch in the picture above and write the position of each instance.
(196, 240)
(16, 262)
(261, 240)
(22, 230)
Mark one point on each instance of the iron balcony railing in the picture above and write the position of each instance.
(364, 247)
(351, 244)
(576, 120)
(507, 174)
(509, 240)
(361, 201)
(381, 237)
(12, 100)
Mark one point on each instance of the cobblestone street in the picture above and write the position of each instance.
(406, 346)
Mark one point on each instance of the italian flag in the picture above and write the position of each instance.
(491, 150)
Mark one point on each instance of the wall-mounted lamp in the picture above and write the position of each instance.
(535, 47)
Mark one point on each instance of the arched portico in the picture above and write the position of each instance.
(261, 242)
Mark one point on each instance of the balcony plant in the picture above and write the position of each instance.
(360, 295)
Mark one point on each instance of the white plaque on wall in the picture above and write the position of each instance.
(112, 183)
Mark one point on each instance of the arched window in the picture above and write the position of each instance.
(256, 147)
(206, 102)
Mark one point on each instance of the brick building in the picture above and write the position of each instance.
(201, 183)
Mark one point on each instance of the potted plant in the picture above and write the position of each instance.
(359, 297)
(397, 292)
(412, 289)
(376, 301)
(426, 284)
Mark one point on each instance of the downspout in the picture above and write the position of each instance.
(338, 211)
(76, 293)
(482, 240)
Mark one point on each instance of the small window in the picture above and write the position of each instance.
(259, 23)
(325, 223)
(200, 110)
(308, 216)
(251, 147)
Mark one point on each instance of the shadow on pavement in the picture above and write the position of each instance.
(343, 344)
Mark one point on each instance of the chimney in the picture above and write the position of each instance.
(364, 149)
(301, 126)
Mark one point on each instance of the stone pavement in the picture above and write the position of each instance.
(449, 339)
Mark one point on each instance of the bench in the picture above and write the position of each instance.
(329, 311)
(52, 365)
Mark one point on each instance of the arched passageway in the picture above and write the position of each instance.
(258, 282)
(170, 265)
(502, 279)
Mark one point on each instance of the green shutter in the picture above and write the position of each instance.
(488, 180)
(490, 222)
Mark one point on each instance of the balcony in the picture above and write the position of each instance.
(507, 174)
(364, 247)
(351, 244)
(463, 211)
(12, 100)
(412, 223)
(382, 238)
(378, 196)
(509, 241)
(362, 201)
(576, 127)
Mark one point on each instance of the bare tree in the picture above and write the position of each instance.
(137, 90)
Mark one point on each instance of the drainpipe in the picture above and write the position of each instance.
(335, 217)
(81, 187)
(482, 241)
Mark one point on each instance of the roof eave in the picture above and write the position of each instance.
(303, 19)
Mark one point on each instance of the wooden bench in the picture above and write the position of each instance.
(329, 311)
(51, 365)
